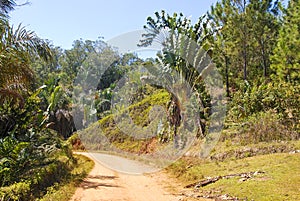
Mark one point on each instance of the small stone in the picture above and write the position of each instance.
(243, 179)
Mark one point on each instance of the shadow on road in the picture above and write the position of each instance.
(103, 177)
(94, 185)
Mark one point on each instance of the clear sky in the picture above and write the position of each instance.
(63, 21)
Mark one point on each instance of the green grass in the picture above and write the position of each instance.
(281, 180)
(139, 113)
(65, 190)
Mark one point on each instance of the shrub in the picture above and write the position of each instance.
(282, 98)
(75, 142)
(266, 127)
(18, 191)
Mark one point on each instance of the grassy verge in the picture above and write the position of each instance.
(280, 180)
(64, 190)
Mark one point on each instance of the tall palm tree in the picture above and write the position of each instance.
(17, 49)
(182, 53)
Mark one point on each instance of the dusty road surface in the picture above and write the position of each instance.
(103, 184)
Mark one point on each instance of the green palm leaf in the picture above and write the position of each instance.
(18, 47)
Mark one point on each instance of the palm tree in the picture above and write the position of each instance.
(17, 49)
(183, 54)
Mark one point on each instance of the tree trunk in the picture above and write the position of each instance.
(174, 113)
(62, 121)
(264, 60)
(227, 76)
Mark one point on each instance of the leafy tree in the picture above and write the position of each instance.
(17, 48)
(47, 70)
(27, 147)
(72, 60)
(286, 58)
(265, 17)
(221, 17)
(246, 32)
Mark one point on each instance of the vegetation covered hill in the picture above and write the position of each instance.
(115, 138)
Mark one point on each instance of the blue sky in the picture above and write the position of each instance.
(63, 21)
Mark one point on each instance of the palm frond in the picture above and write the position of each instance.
(11, 96)
(7, 6)
(17, 49)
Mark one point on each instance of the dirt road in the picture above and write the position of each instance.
(103, 184)
(108, 185)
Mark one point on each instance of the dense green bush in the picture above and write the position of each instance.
(267, 112)
(282, 97)
(32, 157)
(28, 168)
(36, 185)
(16, 191)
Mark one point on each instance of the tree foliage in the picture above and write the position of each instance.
(286, 57)
(7, 5)
(27, 147)
(255, 48)
(246, 32)
(17, 48)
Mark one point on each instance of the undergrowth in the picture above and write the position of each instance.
(63, 191)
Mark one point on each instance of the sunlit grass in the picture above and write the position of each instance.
(281, 180)
(65, 190)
